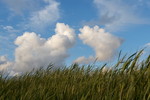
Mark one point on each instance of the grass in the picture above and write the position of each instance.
(127, 80)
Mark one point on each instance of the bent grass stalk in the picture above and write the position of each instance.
(127, 80)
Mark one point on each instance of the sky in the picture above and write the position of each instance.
(35, 33)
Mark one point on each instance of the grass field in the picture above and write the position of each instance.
(127, 80)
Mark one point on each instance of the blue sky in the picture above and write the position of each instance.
(98, 28)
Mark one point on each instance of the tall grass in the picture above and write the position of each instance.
(127, 80)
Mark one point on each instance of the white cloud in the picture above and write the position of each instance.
(84, 60)
(4, 63)
(46, 16)
(6, 67)
(34, 51)
(9, 29)
(148, 44)
(7, 36)
(104, 44)
(35, 14)
(18, 6)
(6, 43)
(114, 14)
(147, 49)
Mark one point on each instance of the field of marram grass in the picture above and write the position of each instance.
(127, 80)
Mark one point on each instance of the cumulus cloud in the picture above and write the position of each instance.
(114, 14)
(46, 16)
(4, 63)
(6, 67)
(103, 43)
(84, 60)
(35, 52)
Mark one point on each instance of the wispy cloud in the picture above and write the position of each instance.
(10, 29)
(115, 14)
(46, 16)
(148, 44)
(7, 36)
(32, 15)
(19, 6)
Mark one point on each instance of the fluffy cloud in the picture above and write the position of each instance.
(4, 63)
(34, 52)
(104, 44)
(84, 60)
(45, 16)
(114, 14)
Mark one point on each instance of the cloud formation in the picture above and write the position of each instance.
(34, 16)
(147, 49)
(84, 60)
(4, 63)
(148, 44)
(18, 6)
(46, 16)
(10, 29)
(114, 14)
(103, 43)
(34, 52)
